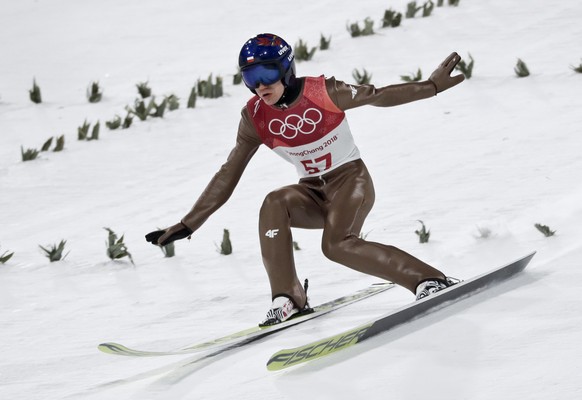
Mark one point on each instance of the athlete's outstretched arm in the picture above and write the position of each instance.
(350, 96)
(217, 192)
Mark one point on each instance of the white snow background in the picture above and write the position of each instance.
(495, 154)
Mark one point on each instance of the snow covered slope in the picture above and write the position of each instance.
(494, 155)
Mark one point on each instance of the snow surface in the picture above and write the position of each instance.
(496, 155)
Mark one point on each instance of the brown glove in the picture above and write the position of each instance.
(166, 236)
(441, 77)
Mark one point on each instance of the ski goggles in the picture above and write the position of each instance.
(267, 74)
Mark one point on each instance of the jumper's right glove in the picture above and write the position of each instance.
(167, 236)
(441, 77)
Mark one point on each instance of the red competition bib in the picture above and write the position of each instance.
(313, 135)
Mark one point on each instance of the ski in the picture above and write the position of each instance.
(249, 335)
(289, 357)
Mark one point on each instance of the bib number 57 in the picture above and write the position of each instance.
(318, 164)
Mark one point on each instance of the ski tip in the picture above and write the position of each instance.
(531, 254)
(111, 348)
(526, 259)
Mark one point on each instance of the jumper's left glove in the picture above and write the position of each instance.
(169, 235)
(441, 77)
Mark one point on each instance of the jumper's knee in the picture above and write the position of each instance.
(277, 199)
(337, 250)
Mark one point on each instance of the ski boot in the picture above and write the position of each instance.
(284, 308)
(433, 285)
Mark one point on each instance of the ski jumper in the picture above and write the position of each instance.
(335, 191)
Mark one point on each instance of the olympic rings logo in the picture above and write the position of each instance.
(295, 124)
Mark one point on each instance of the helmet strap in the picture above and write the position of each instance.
(291, 92)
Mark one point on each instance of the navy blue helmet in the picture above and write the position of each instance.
(266, 59)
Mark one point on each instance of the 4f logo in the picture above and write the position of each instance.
(271, 233)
